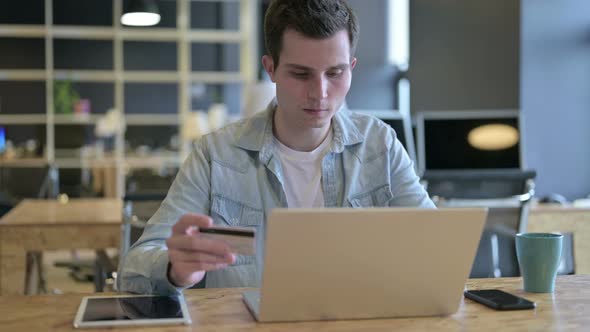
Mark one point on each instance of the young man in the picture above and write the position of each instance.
(305, 150)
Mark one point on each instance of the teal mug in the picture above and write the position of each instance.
(538, 258)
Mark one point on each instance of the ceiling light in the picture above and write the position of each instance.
(141, 13)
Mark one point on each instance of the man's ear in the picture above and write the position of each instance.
(269, 66)
(352, 63)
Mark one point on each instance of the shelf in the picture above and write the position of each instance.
(152, 76)
(217, 77)
(150, 34)
(61, 119)
(23, 75)
(104, 33)
(214, 36)
(22, 30)
(85, 75)
(152, 161)
(82, 32)
(143, 76)
(74, 162)
(95, 58)
(151, 119)
(33, 119)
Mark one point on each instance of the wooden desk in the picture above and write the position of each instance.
(223, 310)
(37, 225)
(557, 218)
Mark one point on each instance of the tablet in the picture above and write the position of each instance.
(131, 310)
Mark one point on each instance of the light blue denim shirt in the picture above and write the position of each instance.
(234, 175)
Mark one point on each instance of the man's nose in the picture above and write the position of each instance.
(318, 88)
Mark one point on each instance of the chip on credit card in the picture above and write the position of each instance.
(240, 239)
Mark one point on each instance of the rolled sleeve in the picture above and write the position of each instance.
(406, 187)
(160, 282)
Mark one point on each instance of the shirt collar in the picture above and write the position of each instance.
(256, 134)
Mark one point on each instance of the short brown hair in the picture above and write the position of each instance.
(312, 18)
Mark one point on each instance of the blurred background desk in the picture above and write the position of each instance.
(38, 225)
(564, 218)
(223, 310)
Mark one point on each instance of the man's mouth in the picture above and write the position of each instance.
(315, 110)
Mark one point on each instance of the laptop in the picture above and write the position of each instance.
(342, 263)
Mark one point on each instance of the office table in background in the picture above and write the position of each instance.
(223, 310)
(38, 225)
(564, 218)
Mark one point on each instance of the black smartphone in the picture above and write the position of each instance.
(499, 300)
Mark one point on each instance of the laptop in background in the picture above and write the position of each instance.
(342, 263)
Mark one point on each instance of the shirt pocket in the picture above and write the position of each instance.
(377, 197)
(234, 213)
(229, 212)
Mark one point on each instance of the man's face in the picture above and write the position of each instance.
(312, 78)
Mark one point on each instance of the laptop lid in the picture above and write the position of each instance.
(325, 264)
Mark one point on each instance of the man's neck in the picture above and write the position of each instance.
(296, 138)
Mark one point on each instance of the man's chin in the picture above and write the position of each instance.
(318, 123)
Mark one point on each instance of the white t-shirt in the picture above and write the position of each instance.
(302, 174)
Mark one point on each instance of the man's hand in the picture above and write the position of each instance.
(191, 255)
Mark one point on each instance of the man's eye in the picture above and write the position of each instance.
(335, 73)
(299, 74)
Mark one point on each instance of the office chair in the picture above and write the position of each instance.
(144, 181)
(507, 195)
(145, 192)
(18, 183)
(74, 182)
(479, 184)
(567, 262)
(137, 210)
(496, 253)
(6, 203)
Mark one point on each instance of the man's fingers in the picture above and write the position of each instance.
(190, 268)
(198, 243)
(182, 256)
(191, 254)
(191, 220)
